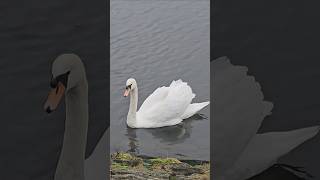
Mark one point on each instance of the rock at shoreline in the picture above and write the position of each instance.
(128, 166)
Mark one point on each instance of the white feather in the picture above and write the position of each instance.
(239, 152)
(166, 106)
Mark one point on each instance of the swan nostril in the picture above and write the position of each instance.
(48, 110)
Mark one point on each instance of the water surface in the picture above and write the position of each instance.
(157, 42)
(32, 35)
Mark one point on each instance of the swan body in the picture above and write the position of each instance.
(69, 79)
(166, 106)
(239, 152)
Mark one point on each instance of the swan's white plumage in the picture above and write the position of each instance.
(158, 95)
(167, 106)
(239, 152)
(263, 150)
(239, 111)
(71, 162)
(193, 109)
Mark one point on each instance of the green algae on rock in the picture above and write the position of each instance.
(129, 166)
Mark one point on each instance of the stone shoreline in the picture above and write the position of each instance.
(128, 166)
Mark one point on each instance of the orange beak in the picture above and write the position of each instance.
(126, 92)
(54, 98)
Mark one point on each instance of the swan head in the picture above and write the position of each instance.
(131, 85)
(67, 72)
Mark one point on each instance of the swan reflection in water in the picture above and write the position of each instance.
(170, 135)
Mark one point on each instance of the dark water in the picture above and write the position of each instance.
(278, 42)
(32, 34)
(157, 42)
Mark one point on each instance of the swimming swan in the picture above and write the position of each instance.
(166, 106)
(238, 151)
(69, 79)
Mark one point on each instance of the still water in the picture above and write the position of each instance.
(157, 42)
(32, 36)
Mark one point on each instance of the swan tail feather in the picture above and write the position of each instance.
(264, 149)
(192, 109)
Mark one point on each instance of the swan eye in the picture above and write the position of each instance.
(63, 78)
(53, 83)
(129, 86)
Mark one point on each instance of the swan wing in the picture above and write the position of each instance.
(168, 111)
(239, 111)
(193, 108)
(265, 149)
(157, 96)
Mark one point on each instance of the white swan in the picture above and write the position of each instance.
(69, 78)
(166, 106)
(238, 152)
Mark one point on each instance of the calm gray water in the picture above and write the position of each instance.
(32, 35)
(157, 42)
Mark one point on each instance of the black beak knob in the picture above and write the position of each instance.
(48, 110)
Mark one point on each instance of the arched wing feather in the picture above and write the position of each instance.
(157, 96)
(168, 110)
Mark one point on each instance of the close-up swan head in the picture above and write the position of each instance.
(130, 86)
(67, 73)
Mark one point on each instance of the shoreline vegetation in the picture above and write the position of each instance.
(129, 166)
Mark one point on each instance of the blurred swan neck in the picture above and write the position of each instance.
(75, 135)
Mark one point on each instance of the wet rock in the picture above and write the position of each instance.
(184, 169)
(128, 166)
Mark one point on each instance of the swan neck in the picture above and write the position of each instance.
(75, 135)
(133, 107)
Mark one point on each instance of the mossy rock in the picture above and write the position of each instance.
(164, 161)
(122, 156)
(129, 166)
(115, 165)
(126, 159)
